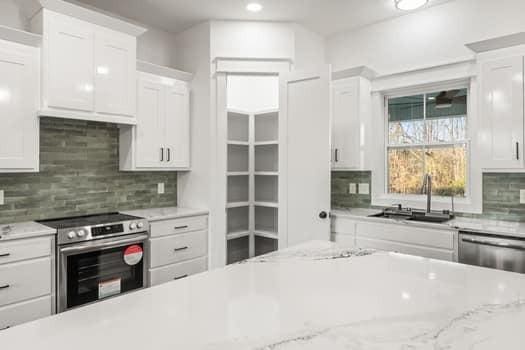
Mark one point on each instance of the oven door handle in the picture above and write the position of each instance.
(94, 245)
(493, 244)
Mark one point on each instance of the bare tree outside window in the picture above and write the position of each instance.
(427, 133)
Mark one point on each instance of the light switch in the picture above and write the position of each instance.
(352, 188)
(160, 188)
(2, 197)
(364, 188)
(522, 196)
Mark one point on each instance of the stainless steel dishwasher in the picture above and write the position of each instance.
(493, 251)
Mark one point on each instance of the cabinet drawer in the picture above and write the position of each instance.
(172, 249)
(406, 234)
(26, 311)
(433, 253)
(343, 226)
(182, 225)
(23, 249)
(25, 280)
(177, 271)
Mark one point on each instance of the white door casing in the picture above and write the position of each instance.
(305, 112)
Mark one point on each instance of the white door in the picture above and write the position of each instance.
(149, 147)
(115, 72)
(18, 104)
(502, 113)
(305, 158)
(177, 127)
(69, 62)
(345, 125)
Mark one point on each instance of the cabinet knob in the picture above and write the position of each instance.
(323, 215)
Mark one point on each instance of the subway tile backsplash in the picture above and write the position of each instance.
(501, 194)
(79, 174)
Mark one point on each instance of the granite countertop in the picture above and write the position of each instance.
(487, 226)
(315, 296)
(21, 230)
(155, 214)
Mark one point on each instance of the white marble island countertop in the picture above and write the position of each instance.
(315, 296)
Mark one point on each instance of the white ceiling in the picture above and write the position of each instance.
(323, 16)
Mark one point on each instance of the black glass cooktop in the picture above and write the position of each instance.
(87, 220)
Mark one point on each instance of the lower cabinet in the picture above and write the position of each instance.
(429, 242)
(178, 248)
(27, 287)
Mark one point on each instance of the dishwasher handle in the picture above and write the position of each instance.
(493, 244)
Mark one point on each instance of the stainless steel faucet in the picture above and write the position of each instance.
(427, 188)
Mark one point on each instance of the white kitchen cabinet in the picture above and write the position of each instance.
(115, 72)
(350, 120)
(388, 235)
(178, 248)
(161, 138)
(501, 135)
(88, 70)
(19, 97)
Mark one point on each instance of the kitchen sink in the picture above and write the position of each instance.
(413, 215)
(438, 219)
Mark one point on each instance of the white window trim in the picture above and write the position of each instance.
(472, 202)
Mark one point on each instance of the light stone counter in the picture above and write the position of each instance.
(21, 230)
(315, 296)
(156, 214)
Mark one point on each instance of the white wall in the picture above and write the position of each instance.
(253, 93)
(252, 39)
(309, 49)
(425, 38)
(157, 46)
(10, 15)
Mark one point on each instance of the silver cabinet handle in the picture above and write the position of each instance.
(336, 155)
(181, 227)
(5, 286)
(180, 249)
(180, 277)
(169, 154)
(517, 151)
(162, 154)
(493, 244)
(5, 255)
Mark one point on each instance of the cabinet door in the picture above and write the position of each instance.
(69, 63)
(115, 70)
(149, 146)
(18, 105)
(346, 126)
(177, 127)
(502, 113)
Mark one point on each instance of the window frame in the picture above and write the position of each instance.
(466, 142)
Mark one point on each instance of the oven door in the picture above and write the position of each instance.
(95, 270)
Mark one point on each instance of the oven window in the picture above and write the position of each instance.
(97, 275)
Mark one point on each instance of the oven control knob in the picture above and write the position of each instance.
(71, 234)
(132, 226)
(81, 233)
(140, 225)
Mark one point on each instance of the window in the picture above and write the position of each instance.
(427, 133)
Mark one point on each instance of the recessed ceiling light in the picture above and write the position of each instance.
(408, 5)
(254, 7)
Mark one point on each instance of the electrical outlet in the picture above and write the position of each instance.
(364, 188)
(522, 196)
(352, 188)
(2, 197)
(160, 188)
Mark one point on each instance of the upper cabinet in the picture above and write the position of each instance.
(88, 70)
(161, 138)
(351, 102)
(501, 134)
(19, 96)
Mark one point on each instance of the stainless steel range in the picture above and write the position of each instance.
(99, 256)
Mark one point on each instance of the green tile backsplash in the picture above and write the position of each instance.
(501, 193)
(79, 174)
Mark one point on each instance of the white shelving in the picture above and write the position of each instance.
(252, 183)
